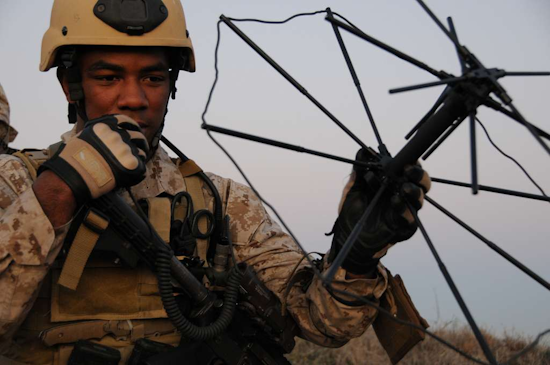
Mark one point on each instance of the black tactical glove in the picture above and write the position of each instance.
(108, 153)
(390, 221)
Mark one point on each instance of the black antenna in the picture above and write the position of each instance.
(460, 100)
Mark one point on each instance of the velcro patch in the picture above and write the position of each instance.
(93, 166)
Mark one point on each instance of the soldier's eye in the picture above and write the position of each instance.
(155, 79)
(107, 78)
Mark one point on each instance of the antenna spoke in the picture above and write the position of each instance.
(529, 127)
(492, 189)
(479, 336)
(526, 73)
(381, 147)
(495, 105)
(287, 146)
(442, 27)
(428, 84)
(463, 67)
(491, 245)
(473, 153)
(385, 47)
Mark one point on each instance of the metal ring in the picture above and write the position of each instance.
(195, 224)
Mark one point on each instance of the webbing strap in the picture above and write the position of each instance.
(188, 168)
(34, 158)
(122, 330)
(194, 188)
(84, 242)
(159, 216)
(30, 164)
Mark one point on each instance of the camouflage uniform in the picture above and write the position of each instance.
(7, 133)
(29, 246)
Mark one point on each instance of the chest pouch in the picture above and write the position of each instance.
(101, 277)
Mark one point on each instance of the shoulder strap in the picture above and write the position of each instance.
(159, 216)
(33, 158)
(188, 168)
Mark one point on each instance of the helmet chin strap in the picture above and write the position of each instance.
(77, 109)
(74, 80)
(174, 72)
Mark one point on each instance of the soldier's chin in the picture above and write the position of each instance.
(148, 133)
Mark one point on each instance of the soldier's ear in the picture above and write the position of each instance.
(61, 77)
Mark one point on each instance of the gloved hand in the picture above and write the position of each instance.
(109, 153)
(390, 221)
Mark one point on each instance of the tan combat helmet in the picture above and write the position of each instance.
(120, 23)
(116, 23)
(7, 133)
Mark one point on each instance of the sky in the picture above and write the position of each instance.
(251, 97)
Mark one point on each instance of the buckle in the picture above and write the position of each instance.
(96, 221)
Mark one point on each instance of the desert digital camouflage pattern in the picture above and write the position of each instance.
(30, 244)
(4, 106)
(7, 133)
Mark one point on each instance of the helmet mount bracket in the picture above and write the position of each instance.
(133, 17)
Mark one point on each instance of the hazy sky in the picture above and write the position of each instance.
(252, 97)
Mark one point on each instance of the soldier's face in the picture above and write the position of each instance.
(132, 82)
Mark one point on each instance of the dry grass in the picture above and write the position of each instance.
(367, 350)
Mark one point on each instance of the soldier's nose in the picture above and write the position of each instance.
(132, 97)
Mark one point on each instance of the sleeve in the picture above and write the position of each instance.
(260, 242)
(28, 245)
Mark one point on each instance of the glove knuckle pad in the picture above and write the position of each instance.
(114, 142)
(126, 122)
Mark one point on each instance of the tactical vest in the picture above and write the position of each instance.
(96, 296)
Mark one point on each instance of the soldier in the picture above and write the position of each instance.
(7, 132)
(63, 286)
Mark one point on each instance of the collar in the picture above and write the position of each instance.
(162, 176)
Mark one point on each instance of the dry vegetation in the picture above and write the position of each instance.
(367, 350)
